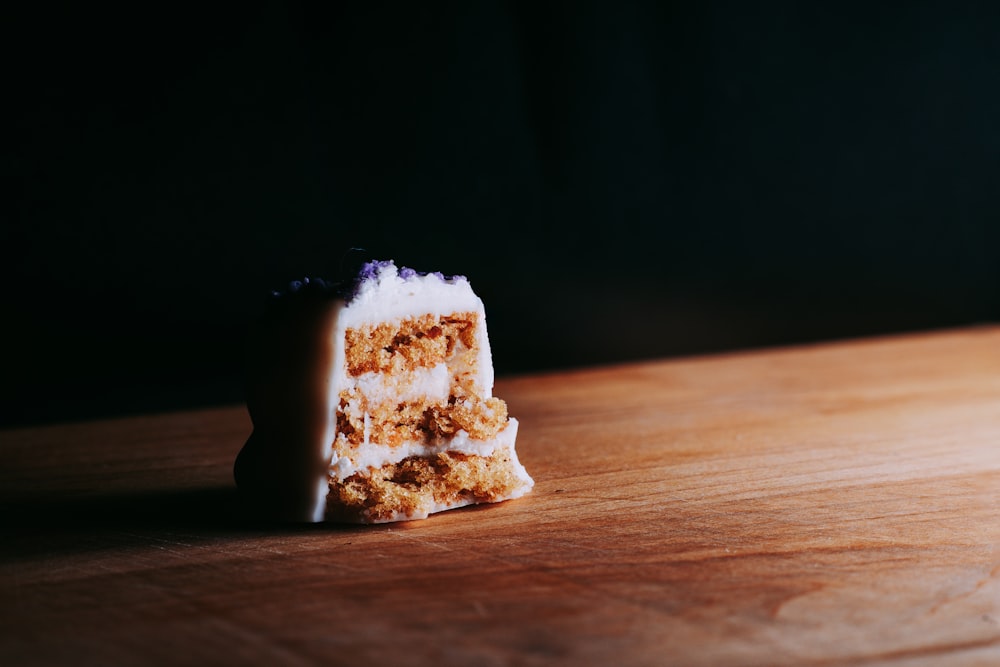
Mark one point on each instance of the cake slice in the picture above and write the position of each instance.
(373, 403)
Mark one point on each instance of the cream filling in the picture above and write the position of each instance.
(430, 384)
(363, 457)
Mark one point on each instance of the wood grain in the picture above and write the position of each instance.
(826, 505)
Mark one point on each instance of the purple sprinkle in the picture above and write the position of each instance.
(370, 269)
(349, 289)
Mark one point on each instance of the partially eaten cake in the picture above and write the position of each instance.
(373, 402)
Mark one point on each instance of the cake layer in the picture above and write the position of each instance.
(421, 420)
(420, 485)
(410, 343)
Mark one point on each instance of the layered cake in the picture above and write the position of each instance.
(372, 402)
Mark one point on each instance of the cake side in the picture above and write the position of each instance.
(282, 468)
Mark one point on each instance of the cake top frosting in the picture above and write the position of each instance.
(371, 274)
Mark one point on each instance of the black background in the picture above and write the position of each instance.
(618, 180)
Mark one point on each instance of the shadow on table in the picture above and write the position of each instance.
(34, 527)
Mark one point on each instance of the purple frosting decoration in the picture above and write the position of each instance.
(369, 270)
(348, 290)
(307, 285)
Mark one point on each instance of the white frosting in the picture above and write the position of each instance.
(282, 468)
(431, 384)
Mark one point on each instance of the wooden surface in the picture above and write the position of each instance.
(824, 505)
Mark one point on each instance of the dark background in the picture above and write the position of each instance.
(619, 181)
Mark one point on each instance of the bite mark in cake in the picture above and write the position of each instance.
(375, 403)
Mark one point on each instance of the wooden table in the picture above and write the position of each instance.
(825, 505)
